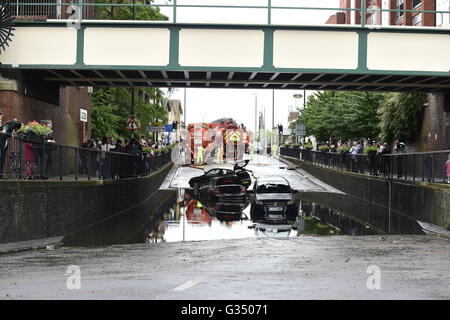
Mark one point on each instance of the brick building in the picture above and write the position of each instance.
(435, 130)
(400, 18)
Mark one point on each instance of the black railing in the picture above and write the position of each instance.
(33, 160)
(422, 166)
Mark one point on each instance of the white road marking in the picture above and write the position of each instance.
(188, 284)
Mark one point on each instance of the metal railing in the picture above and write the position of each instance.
(421, 166)
(34, 160)
(266, 12)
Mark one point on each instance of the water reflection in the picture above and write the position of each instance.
(178, 215)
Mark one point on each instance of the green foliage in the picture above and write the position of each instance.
(129, 13)
(343, 115)
(343, 149)
(400, 116)
(370, 149)
(111, 108)
(105, 120)
(324, 148)
(35, 127)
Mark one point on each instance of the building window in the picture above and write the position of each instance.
(417, 3)
(399, 6)
(417, 20)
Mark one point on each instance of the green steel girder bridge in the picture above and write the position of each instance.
(173, 54)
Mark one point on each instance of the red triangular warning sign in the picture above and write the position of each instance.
(132, 124)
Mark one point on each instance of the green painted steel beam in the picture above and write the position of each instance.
(80, 46)
(174, 49)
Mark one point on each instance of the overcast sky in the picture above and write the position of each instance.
(206, 105)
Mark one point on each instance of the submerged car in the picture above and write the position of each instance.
(273, 200)
(238, 171)
(227, 188)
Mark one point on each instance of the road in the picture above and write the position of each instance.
(304, 267)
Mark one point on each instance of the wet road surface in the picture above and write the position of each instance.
(412, 267)
(186, 248)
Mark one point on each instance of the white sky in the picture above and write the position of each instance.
(210, 104)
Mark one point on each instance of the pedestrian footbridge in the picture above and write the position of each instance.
(161, 54)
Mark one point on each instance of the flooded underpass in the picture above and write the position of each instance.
(176, 213)
(182, 216)
(178, 244)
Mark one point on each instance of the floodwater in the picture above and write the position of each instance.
(181, 216)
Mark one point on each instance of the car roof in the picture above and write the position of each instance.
(278, 180)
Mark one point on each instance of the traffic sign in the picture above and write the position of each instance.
(132, 124)
(155, 129)
(169, 127)
(300, 130)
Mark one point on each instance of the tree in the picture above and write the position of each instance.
(342, 115)
(105, 121)
(400, 116)
(111, 108)
(129, 12)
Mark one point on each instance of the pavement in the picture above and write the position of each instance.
(308, 267)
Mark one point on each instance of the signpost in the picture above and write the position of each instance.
(155, 128)
(300, 131)
(132, 124)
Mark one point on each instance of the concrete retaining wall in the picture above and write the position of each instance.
(427, 202)
(41, 209)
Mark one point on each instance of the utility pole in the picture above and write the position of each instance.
(185, 107)
(133, 108)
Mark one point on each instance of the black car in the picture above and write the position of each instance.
(273, 200)
(226, 211)
(238, 171)
(223, 188)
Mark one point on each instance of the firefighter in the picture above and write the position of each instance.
(200, 152)
(252, 150)
(219, 151)
(274, 150)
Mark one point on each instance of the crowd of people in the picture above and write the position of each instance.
(112, 166)
(371, 157)
(35, 158)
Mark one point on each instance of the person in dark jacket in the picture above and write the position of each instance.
(6, 132)
(44, 153)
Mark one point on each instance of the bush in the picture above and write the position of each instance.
(295, 146)
(324, 148)
(370, 149)
(343, 149)
(308, 146)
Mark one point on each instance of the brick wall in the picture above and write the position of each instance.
(68, 129)
(434, 134)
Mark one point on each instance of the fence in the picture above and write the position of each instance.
(267, 12)
(33, 160)
(423, 166)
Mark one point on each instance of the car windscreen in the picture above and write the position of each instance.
(273, 188)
